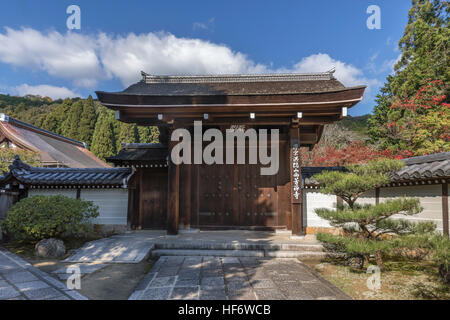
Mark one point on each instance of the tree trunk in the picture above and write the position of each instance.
(356, 262)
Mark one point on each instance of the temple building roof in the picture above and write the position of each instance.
(73, 177)
(54, 149)
(235, 84)
(137, 154)
(230, 85)
(278, 100)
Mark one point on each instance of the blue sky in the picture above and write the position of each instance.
(119, 38)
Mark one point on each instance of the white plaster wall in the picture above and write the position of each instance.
(430, 197)
(367, 198)
(71, 193)
(313, 199)
(112, 203)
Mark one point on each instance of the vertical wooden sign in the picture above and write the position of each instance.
(296, 182)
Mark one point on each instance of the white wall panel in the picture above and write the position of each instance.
(112, 203)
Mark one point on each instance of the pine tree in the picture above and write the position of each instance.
(71, 126)
(366, 226)
(103, 141)
(424, 47)
(87, 121)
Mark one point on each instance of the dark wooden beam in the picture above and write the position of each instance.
(173, 197)
(186, 194)
(377, 195)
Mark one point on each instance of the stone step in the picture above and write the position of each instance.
(187, 245)
(238, 253)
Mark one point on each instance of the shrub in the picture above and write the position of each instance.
(369, 229)
(40, 217)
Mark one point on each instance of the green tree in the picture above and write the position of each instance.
(424, 55)
(424, 47)
(420, 124)
(87, 121)
(103, 141)
(71, 125)
(366, 226)
(128, 133)
(54, 119)
(148, 134)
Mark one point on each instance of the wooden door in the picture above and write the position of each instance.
(237, 195)
(153, 198)
(216, 195)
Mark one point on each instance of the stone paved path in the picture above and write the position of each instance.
(134, 246)
(212, 278)
(19, 280)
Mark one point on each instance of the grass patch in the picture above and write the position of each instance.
(401, 280)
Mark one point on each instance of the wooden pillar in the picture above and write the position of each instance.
(186, 196)
(173, 197)
(296, 182)
(195, 196)
(445, 208)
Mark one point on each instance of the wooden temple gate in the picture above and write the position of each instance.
(165, 194)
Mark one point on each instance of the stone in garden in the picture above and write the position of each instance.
(50, 248)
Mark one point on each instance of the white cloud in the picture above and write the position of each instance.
(70, 56)
(209, 25)
(87, 59)
(163, 53)
(45, 91)
(346, 73)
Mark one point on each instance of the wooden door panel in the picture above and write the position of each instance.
(153, 199)
(221, 193)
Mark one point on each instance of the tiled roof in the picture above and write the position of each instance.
(241, 78)
(53, 148)
(424, 167)
(28, 175)
(434, 166)
(141, 152)
(233, 85)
